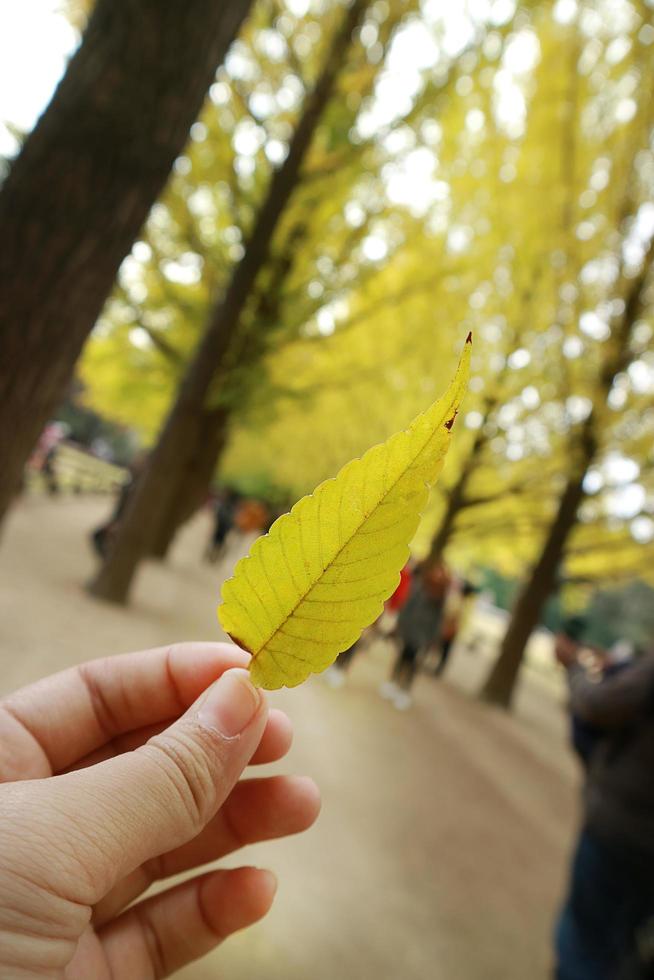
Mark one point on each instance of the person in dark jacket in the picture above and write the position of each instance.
(567, 646)
(606, 928)
(226, 504)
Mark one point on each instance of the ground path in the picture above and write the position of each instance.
(441, 849)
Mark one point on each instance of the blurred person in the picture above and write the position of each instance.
(607, 664)
(101, 537)
(335, 675)
(43, 459)
(606, 928)
(418, 624)
(383, 626)
(225, 508)
(568, 645)
(49, 471)
(458, 606)
(124, 771)
(618, 656)
(251, 516)
(477, 606)
(602, 664)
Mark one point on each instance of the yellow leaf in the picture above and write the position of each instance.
(323, 572)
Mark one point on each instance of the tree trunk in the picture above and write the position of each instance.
(455, 503)
(456, 496)
(193, 484)
(501, 680)
(500, 684)
(82, 186)
(179, 439)
(172, 522)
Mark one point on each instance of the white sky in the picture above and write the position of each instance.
(35, 41)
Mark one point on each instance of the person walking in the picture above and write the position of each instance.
(336, 674)
(418, 624)
(226, 504)
(605, 664)
(606, 927)
(458, 603)
(44, 458)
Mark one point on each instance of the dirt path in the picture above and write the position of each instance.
(441, 849)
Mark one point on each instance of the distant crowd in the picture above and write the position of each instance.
(424, 616)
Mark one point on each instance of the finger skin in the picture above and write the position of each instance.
(275, 742)
(257, 809)
(48, 726)
(108, 819)
(162, 934)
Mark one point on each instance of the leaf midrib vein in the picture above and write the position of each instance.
(432, 433)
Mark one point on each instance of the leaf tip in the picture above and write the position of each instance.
(469, 338)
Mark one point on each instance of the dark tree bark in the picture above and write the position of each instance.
(457, 499)
(179, 438)
(500, 684)
(501, 681)
(194, 484)
(82, 186)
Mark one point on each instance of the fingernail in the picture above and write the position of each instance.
(231, 704)
(270, 879)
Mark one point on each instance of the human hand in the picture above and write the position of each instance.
(123, 771)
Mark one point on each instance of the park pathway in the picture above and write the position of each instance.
(441, 849)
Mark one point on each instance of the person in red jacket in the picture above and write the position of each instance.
(401, 594)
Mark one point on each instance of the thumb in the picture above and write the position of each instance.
(111, 817)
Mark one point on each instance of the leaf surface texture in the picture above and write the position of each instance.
(323, 572)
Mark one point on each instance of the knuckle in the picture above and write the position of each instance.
(190, 774)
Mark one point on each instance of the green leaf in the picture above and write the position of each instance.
(323, 572)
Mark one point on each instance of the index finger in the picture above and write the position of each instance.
(48, 726)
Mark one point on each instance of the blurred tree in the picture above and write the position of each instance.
(533, 267)
(495, 282)
(81, 188)
(313, 235)
(186, 427)
(584, 444)
(320, 258)
(611, 614)
(205, 217)
(604, 306)
(499, 478)
(492, 203)
(622, 614)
